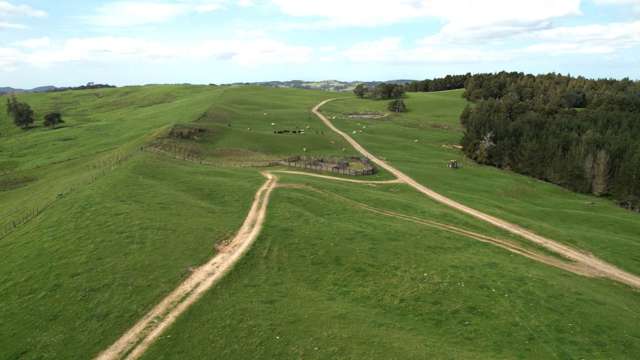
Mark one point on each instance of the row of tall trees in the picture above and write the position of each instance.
(449, 82)
(88, 86)
(382, 91)
(578, 133)
(23, 115)
(554, 91)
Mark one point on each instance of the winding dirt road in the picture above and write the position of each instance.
(598, 266)
(136, 341)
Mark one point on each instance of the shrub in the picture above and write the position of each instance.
(397, 106)
(53, 119)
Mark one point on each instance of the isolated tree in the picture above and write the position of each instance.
(361, 91)
(11, 105)
(22, 114)
(53, 119)
(397, 106)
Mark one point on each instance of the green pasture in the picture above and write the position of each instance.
(105, 215)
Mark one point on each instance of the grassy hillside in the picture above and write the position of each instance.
(94, 229)
(103, 217)
(242, 122)
(596, 225)
(98, 259)
(329, 280)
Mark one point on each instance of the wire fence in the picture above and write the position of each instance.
(100, 167)
(109, 161)
(330, 165)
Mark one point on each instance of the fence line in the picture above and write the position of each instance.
(97, 169)
(327, 167)
(307, 163)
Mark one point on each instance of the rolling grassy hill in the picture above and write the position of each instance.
(109, 217)
(592, 224)
(327, 280)
(93, 228)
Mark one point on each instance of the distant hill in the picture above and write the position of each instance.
(326, 85)
(40, 89)
(6, 90)
(43, 89)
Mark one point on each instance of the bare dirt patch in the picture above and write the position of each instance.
(187, 132)
(452, 147)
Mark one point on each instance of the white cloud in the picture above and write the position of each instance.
(252, 52)
(617, 2)
(9, 58)
(120, 14)
(391, 51)
(242, 51)
(635, 4)
(9, 9)
(8, 25)
(606, 39)
(353, 12)
(560, 48)
(465, 22)
(97, 49)
(382, 50)
(457, 14)
(621, 34)
(471, 21)
(36, 43)
(246, 3)
(133, 13)
(207, 8)
(587, 39)
(328, 48)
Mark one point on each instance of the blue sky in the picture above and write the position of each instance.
(220, 41)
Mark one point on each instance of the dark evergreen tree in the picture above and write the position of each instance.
(21, 112)
(53, 119)
(530, 124)
(360, 91)
(381, 91)
(449, 82)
